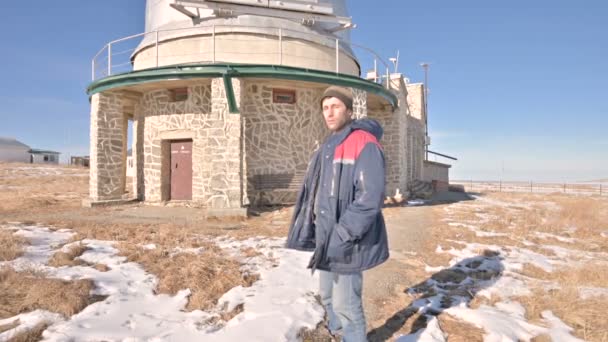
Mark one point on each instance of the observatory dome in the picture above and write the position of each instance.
(299, 33)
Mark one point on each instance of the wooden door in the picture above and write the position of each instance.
(181, 170)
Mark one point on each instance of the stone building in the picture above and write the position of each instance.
(223, 101)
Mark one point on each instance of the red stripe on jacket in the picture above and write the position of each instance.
(350, 149)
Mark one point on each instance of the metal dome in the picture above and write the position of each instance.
(177, 19)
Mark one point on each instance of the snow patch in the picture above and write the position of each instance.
(503, 322)
(559, 330)
(416, 202)
(43, 242)
(432, 333)
(283, 298)
(27, 321)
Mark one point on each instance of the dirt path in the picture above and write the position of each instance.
(409, 231)
(384, 284)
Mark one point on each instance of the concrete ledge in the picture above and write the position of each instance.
(227, 213)
(88, 203)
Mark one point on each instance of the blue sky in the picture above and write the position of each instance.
(517, 89)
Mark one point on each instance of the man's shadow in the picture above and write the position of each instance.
(447, 288)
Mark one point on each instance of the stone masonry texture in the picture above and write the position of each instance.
(257, 157)
(106, 180)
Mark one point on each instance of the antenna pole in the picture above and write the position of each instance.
(397, 63)
(425, 66)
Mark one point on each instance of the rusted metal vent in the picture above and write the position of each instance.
(281, 181)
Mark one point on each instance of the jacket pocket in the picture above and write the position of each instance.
(338, 250)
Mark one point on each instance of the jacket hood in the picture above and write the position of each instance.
(369, 125)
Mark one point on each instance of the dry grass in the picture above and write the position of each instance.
(27, 291)
(101, 267)
(208, 275)
(592, 274)
(225, 316)
(212, 273)
(522, 217)
(586, 316)
(31, 189)
(11, 246)
(68, 258)
(9, 326)
(457, 331)
(250, 252)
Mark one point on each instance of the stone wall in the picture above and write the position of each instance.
(224, 161)
(161, 117)
(279, 140)
(256, 157)
(416, 130)
(359, 103)
(415, 150)
(216, 151)
(390, 143)
(107, 149)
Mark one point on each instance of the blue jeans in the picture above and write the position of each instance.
(341, 297)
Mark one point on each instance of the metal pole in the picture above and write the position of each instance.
(213, 43)
(388, 78)
(280, 46)
(337, 55)
(425, 66)
(375, 70)
(157, 48)
(109, 59)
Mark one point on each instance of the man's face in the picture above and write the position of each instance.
(336, 114)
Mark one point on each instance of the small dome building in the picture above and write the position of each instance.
(223, 98)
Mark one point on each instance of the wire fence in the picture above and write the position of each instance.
(598, 189)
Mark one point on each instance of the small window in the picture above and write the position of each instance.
(283, 96)
(46, 158)
(179, 94)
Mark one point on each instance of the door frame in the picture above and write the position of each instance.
(166, 138)
(170, 142)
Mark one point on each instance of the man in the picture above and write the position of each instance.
(338, 212)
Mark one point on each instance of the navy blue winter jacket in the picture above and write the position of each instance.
(338, 210)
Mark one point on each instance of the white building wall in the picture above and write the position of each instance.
(40, 158)
(14, 154)
(436, 172)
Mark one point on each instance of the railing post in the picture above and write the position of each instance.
(280, 46)
(337, 55)
(213, 43)
(157, 48)
(109, 59)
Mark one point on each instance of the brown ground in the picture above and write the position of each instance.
(414, 234)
